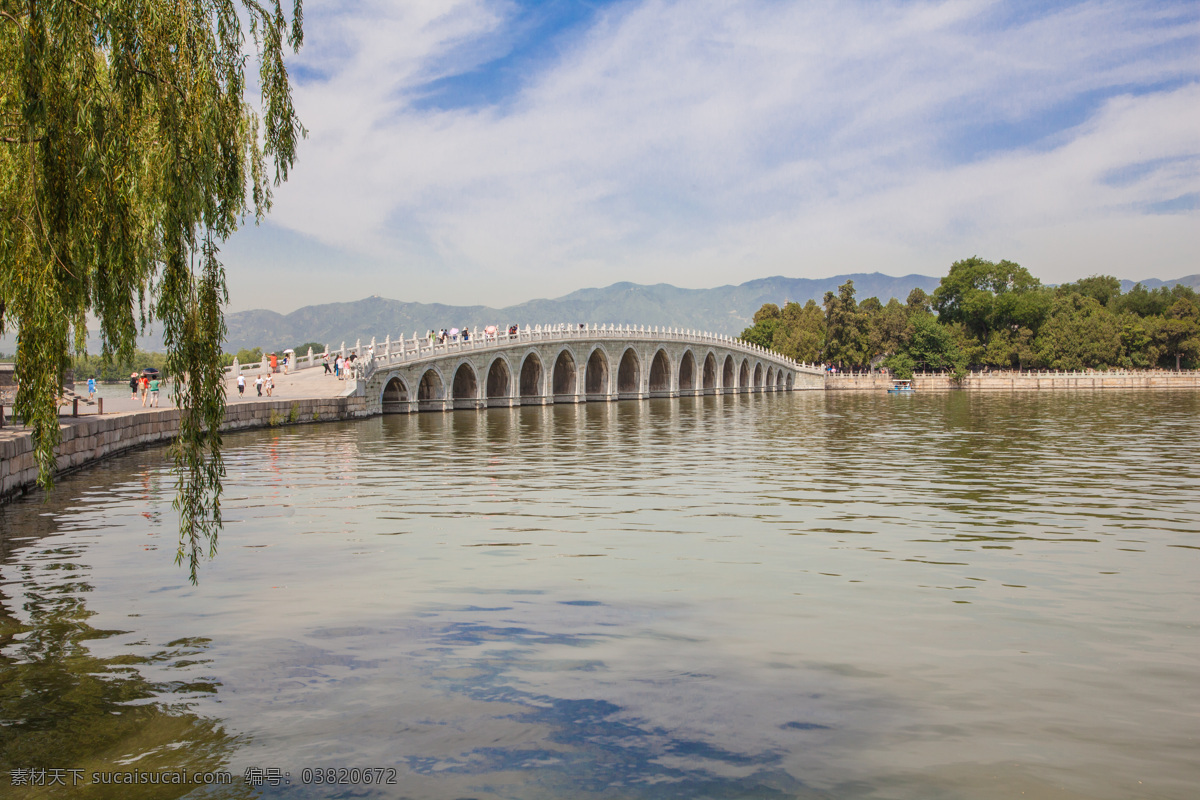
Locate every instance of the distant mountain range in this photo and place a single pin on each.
(725, 309)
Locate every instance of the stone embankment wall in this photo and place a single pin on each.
(91, 438)
(1009, 381)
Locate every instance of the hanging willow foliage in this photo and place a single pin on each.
(127, 150)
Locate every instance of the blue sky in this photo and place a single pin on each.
(493, 152)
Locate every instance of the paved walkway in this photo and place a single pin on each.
(308, 383)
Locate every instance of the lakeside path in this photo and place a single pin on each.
(307, 396)
(305, 384)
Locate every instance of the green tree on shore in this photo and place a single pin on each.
(992, 314)
(847, 337)
(129, 153)
(1181, 331)
(1080, 334)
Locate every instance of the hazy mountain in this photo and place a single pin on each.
(1192, 281)
(725, 309)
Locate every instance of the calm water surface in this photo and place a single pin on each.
(803, 596)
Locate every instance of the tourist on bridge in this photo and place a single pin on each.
(258, 384)
(241, 384)
(154, 392)
(133, 383)
(465, 336)
(325, 363)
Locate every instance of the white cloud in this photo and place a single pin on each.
(702, 142)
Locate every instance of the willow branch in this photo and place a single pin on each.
(95, 14)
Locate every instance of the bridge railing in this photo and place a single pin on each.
(403, 351)
(375, 355)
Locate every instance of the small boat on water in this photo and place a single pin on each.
(901, 387)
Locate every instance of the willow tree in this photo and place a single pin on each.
(128, 153)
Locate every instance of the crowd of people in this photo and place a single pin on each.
(340, 366)
(148, 383)
(464, 334)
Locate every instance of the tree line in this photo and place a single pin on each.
(986, 314)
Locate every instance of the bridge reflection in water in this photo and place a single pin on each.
(566, 364)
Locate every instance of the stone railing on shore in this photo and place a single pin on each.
(1000, 380)
(95, 437)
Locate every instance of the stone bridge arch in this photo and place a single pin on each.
(629, 375)
(596, 375)
(532, 376)
(464, 391)
(687, 373)
(395, 396)
(431, 392)
(660, 374)
(708, 378)
(729, 375)
(566, 377)
(499, 382)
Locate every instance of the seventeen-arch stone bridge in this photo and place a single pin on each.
(569, 364)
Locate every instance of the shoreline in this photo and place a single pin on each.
(1022, 381)
(90, 438)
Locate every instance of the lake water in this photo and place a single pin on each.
(788, 596)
